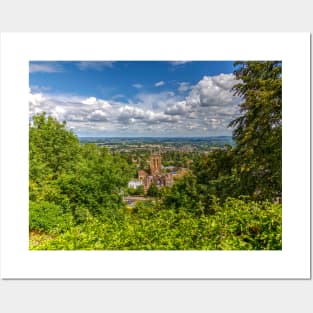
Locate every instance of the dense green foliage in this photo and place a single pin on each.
(153, 191)
(52, 149)
(224, 202)
(178, 158)
(258, 131)
(48, 217)
(236, 225)
(68, 178)
(139, 191)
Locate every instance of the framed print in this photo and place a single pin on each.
(155, 155)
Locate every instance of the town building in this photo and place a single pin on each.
(134, 183)
(155, 164)
(155, 175)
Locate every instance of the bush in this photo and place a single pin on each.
(48, 217)
(248, 225)
(235, 225)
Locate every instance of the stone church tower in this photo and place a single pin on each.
(155, 164)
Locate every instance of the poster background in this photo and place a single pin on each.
(18, 262)
(156, 296)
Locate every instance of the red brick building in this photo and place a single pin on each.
(155, 176)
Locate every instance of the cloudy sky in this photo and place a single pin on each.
(136, 98)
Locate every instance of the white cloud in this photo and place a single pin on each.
(206, 109)
(156, 101)
(213, 91)
(35, 103)
(129, 114)
(98, 116)
(100, 103)
(209, 106)
(178, 108)
(59, 109)
(90, 101)
(184, 86)
(35, 99)
(44, 67)
(94, 65)
(159, 84)
(71, 109)
(105, 105)
(138, 86)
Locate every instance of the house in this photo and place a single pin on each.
(134, 183)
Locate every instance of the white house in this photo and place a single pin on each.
(134, 184)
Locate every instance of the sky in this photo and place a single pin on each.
(136, 98)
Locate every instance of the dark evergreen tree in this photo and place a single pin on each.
(258, 131)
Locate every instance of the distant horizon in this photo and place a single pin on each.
(212, 136)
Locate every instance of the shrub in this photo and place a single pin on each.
(48, 217)
(235, 225)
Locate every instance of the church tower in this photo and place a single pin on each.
(155, 164)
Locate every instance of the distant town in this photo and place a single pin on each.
(157, 161)
(183, 144)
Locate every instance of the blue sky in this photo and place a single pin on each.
(136, 98)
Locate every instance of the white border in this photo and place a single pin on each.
(18, 262)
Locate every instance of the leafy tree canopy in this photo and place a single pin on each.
(258, 131)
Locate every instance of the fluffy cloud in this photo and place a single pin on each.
(35, 99)
(178, 108)
(70, 109)
(209, 106)
(213, 91)
(156, 101)
(159, 84)
(98, 116)
(90, 101)
(207, 109)
(105, 105)
(35, 103)
(129, 114)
